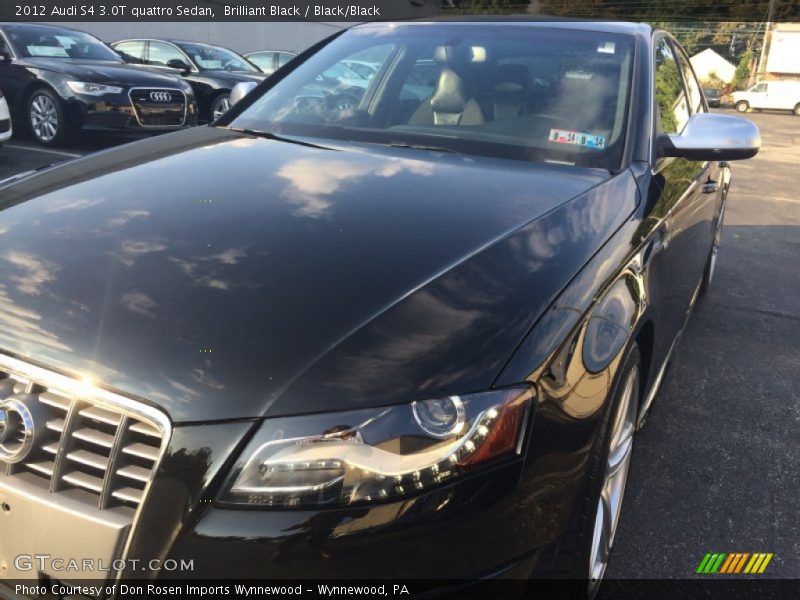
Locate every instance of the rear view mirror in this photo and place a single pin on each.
(709, 136)
(5, 56)
(240, 90)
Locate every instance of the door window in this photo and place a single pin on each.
(673, 107)
(160, 54)
(692, 87)
(760, 87)
(264, 61)
(284, 57)
(132, 52)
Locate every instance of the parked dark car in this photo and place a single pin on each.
(59, 81)
(712, 97)
(411, 338)
(212, 71)
(270, 61)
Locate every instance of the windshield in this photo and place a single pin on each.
(50, 42)
(514, 91)
(212, 58)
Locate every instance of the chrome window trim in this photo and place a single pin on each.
(136, 114)
(77, 388)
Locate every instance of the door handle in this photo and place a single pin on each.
(710, 187)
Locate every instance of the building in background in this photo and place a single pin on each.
(783, 52)
(243, 37)
(708, 64)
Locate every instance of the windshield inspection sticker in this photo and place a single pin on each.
(577, 138)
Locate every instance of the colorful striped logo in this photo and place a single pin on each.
(737, 562)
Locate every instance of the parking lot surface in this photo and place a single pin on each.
(715, 468)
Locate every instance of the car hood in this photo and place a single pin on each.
(221, 276)
(103, 71)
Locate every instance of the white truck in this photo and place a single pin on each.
(777, 95)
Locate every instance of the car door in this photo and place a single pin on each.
(682, 199)
(757, 97)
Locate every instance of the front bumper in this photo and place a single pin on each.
(132, 110)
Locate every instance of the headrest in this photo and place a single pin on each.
(450, 95)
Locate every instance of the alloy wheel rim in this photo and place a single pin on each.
(614, 480)
(44, 118)
(221, 106)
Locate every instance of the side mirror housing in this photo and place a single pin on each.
(177, 63)
(240, 90)
(5, 56)
(711, 136)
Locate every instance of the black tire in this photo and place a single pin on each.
(219, 104)
(47, 118)
(574, 558)
(742, 106)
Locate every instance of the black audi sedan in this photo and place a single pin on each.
(59, 81)
(212, 71)
(410, 338)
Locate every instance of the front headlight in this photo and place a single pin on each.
(92, 89)
(336, 459)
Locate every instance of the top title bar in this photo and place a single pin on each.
(376, 10)
(215, 10)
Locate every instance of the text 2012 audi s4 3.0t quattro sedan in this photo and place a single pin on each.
(410, 337)
(59, 81)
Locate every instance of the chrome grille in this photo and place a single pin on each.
(96, 451)
(168, 110)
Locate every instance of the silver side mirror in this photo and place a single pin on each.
(240, 90)
(710, 136)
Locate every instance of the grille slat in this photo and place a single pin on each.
(56, 425)
(97, 451)
(142, 451)
(100, 414)
(145, 429)
(94, 436)
(128, 495)
(42, 467)
(85, 481)
(134, 472)
(89, 459)
(55, 401)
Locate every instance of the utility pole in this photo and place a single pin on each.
(762, 61)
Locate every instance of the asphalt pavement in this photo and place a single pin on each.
(715, 469)
(717, 466)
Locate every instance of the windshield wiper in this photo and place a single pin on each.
(268, 135)
(424, 147)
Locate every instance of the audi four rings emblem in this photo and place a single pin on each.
(16, 430)
(160, 96)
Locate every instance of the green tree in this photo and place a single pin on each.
(742, 73)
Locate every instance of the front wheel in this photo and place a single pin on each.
(796, 109)
(220, 106)
(587, 548)
(742, 106)
(47, 118)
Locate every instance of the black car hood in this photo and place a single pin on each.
(102, 71)
(225, 276)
